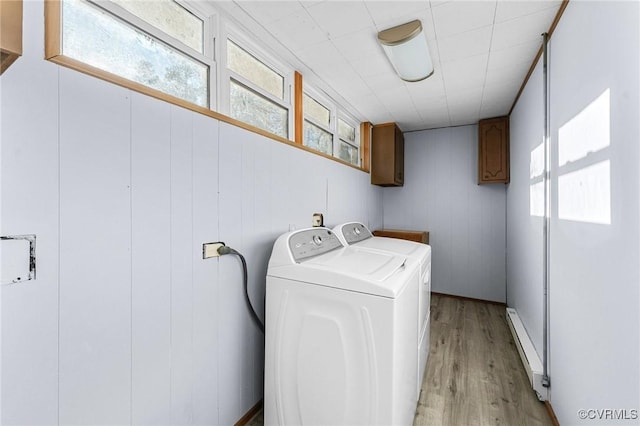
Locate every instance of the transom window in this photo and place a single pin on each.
(256, 92)
(169, 17)
(142, 53)
(167, 49)
(348, 148)
(323, 132)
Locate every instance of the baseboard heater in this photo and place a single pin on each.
(528, 355)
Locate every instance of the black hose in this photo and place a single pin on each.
(254, 314)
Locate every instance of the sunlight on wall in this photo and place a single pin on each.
(585, 195)
(584, 188)
(586, 132)
(536, 189)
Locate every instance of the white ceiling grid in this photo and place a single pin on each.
(481, 52)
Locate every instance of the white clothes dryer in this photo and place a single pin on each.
(340, 334)
(356, 234)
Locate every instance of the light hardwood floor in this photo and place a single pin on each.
(474, 375)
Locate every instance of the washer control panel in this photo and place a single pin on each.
(312, 242)
(355, 232)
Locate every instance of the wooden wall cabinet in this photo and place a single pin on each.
(387, 155)
(493, 150)
(10, 32)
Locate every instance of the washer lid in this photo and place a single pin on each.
(301, 256)
(374, 266)
(382, 273)
(403, 247)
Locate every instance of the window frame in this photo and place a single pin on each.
(122, 15)
(216, 27)
(357, 140)
(326, 102)
(236, 36)
(335, 113)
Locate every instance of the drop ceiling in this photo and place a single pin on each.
(481, 50)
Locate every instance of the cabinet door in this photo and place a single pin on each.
(399, 157)
(493, 150)
(387, 155)
(10, 32)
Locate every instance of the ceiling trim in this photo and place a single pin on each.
(553, 26)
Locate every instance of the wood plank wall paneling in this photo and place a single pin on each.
(95, 252)
(151, 258)
(30, 204)
(205, 272)
(466, 222)
(149, 331)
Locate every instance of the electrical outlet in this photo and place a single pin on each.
(318, 220)
(211, 250)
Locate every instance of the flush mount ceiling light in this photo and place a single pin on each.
(407, 50)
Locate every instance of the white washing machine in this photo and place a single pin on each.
(340, 334)
(355, 234)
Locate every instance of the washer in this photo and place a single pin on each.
(355, 234)
(340, 333)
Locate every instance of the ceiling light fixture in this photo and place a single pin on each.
(407, 50)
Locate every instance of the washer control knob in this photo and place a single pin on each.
(356, 230)
(317, 239)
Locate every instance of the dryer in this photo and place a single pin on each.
(355, 234)
(340, 333)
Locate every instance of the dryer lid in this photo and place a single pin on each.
(403, 247)
(377, 267)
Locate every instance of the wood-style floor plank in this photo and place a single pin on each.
(474, 375)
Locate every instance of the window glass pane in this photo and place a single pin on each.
(170, 17)
(97, 38)
(315, 110)
(345, 131)
(316, 138)
(241, 62)
(251, 108)
(348, 153)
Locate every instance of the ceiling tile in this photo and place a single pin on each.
(297, 31)
(321, 54)
(341, 18)
(481, 51)
(372, 65)
(460, 16)
(522, 30)
(465, 73)
(507, 10)
(502, 58)
(464, 99)
(465, 44)
(515, 71)
(359, 45)
(385, 82)
(270, 11)
(381, 11)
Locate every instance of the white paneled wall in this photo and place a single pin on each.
(29, 202)
(95, 251)
(594, 322)
(524, 229)
(151, 260)
(126, 323)
(466, 221)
